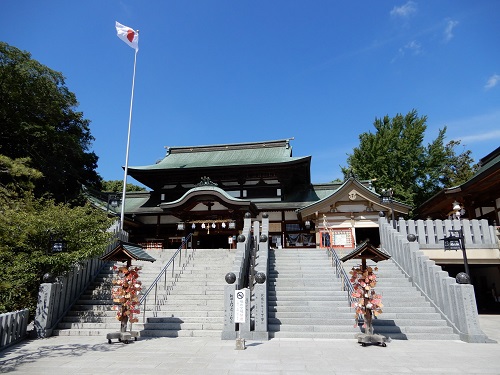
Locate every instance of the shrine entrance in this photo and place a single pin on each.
(368, 234)
(213, 241)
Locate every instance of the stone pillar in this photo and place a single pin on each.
(468, 322)
(45, 308)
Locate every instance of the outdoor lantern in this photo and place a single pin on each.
(113, 201)
(180, 226)
(232, 225)
(452, 243)
(193, 226)
(59, 245)
(203, 226)
(455, 241)
(308, 224)
(386, 198)
(213, 225)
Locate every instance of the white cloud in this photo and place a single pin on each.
(482, 128)
(448, 31)
(404, 10)
(492, 81)
(486, 136)
(412, 47)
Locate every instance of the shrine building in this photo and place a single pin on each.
(207, 190)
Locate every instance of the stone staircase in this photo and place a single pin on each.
(195, 307)
(407, 315)
(305, 298)
(306, 301)
(192, 307)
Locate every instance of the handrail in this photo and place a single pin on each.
(162, 273)
(341, 273)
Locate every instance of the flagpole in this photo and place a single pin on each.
(122, 215)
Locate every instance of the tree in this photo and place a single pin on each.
(27, 226)
(396, 157)
(116, 186)
(16, 178)
(39, 121)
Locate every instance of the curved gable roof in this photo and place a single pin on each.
(255, 153)
(365, 192)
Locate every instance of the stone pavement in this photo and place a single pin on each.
(93, 355)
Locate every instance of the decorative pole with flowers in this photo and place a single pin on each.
(364, 280)
(126, 287)
(369, 303)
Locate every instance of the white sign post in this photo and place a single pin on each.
(240, 309)
(240, 306)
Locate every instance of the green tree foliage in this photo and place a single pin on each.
(39, 121)
(116, 186)
(396, 157)
(16, 178)
(27, 226)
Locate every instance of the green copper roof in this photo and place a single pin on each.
(270, 152)
(125, 251)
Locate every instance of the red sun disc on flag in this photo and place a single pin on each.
(130, 35)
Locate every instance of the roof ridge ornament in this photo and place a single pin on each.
(206, 181)
(351, 174)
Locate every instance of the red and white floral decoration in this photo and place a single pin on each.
(364, 281)
(125, 292)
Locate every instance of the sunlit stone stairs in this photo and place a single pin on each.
(195, 306)
(92, 314)
(407, 315)
(305, 297)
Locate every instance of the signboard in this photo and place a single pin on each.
(337, 237)
(240, 306)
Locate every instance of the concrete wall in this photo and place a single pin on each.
(456, 302)
(13, 327)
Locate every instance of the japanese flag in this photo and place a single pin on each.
(128, 35)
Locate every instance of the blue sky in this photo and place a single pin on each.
(211, 72)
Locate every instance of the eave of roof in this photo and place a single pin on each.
(203, 190)
(401, 207)
(126, 251)
(365, 250)
(256, 153)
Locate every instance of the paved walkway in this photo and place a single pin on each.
(93, 355)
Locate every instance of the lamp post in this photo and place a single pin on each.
(386, 197)
(455, 241)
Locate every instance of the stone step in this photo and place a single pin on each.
(347, 335)
(182, 326)
(192, 303)
(309, 293)
(184, 314)
(146, 333)
(306, 303)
